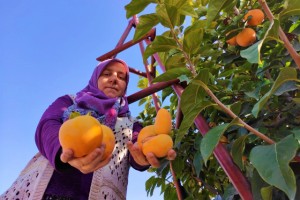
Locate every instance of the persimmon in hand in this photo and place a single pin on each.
(156, 138)
(85, 133)
(109, 141)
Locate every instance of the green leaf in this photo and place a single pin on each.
(172, 74)
(150, 185)
(229, 193)
(160, 44)
(266, 193)
(291, 7)
(146, 23)
(214, 9)
(230, 7)
(212, 137)
(193, 36)
(172, 13)
(272, 34)
(297, 100)
(296, 133)
(198, 162)
(143, 83)
(137, 6)
(166, 92)
(174, 61)
(187, 9)
(272, 164)
(286, 87)
(201, 80)
(237, 150)
(169, 15)
(257, 183)
(252, 53)
(142, 101)
(178, 164)
(286, 74)
(170, 192)
(192, 110)
(236, 107)
(193, 102)
(194, 93)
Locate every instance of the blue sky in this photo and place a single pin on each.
(48, 49)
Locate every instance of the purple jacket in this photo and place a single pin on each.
(66, 180)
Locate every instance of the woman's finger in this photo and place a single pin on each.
(171, 154)
(66, 155)
(154, 162)
(137, 154)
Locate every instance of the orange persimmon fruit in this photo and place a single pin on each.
(82, 134)
(109, 140)
(246, 37)
(156, 138)
(232, 41)
(231, 37)
(255, 17)
(163, 122)
(145, 134)
(158, 145)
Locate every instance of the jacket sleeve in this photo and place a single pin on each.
(46, 136)
(136, 129)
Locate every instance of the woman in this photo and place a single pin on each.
(56, 174)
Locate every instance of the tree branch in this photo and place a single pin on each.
(282, 35)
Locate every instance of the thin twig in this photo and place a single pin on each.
(234, 116)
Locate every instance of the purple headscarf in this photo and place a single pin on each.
(91, 98)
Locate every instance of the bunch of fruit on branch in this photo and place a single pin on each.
(247, 36)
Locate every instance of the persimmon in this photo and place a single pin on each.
(246, 37)
(232, 41)
(109, 140)
(231, 37)
(82, 134)
(255, 17)
(145, 134)
(158, 145)
(163, 122)
(156, 138)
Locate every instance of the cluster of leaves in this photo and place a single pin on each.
(259, 84)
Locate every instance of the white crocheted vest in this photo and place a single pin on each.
(110, 182)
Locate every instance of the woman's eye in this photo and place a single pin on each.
(122, 77)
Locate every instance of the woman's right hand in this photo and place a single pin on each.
(88, 163)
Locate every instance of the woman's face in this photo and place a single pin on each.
(112, 81)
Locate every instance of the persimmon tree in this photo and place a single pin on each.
(249, 96)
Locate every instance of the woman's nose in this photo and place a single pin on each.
(113, 77)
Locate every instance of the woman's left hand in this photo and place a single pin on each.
(150, 158)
